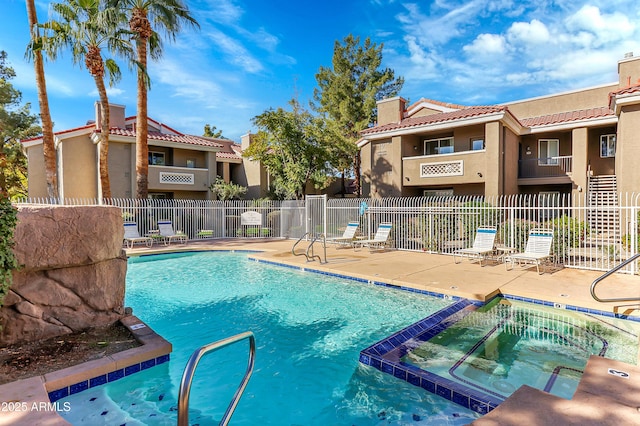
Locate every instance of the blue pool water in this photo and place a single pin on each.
(309, 330)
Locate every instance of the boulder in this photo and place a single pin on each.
(72, 272)
(49, 237)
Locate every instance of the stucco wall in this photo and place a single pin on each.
(72, 272)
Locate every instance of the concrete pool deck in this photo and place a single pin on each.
(439, 274)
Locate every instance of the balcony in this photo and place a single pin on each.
(448, 169)
(169, 178)
(545, 170)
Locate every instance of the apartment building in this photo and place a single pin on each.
(572, 142)
(181, 166)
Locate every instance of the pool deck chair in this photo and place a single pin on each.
(132, 236)
(347, 237)
(380, 241)
(537, 250)
(483, 245)
(168, 234)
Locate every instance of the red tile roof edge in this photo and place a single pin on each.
(467, 112)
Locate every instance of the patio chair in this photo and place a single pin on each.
(132, 236)
(347, 237)
(380, 241)
(483, 245)
(537, 250)
(165, 229)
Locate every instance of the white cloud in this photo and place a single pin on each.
(534, 32)
(487, 45)
(544, 45)
(433, 30)
(186, 84)
(222, 11)
(234, 51)
(605, 28)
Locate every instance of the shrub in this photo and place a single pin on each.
(227, 191)
(8, 221)
(568, 232)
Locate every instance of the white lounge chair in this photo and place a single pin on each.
(132, 236)
(379, 241)
(347, 237)
(483, 245)
(165, 229)
(537, 250)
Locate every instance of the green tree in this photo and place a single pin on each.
(34, 52)
(16, 122)
(86, 28)
(210, 132)
(347, 95)
(293, 146)
(148, 18)
(227, 191)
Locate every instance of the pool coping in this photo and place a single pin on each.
(36, 399)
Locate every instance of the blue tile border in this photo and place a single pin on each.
(105, 378)
(570, 307)
(386, 356)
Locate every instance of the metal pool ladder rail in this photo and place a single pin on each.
(309, 253)
(189, 371)
(608, 273)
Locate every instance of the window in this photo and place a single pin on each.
(438, 146)
(447, 192)
(477, 144)
(548, 152)
(607, 146)
(156, 158)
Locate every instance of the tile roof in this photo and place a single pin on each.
(432, 101)
(228, 148)
(465, 113)
(180, 138)
(626, 90)
(567, 117)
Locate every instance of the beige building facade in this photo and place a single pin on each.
(181, 166)
(561, 143)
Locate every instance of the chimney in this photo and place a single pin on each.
(116, 115)
(628, 70)
(245, 140)
(390, 110)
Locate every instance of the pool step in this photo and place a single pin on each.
(608, 394)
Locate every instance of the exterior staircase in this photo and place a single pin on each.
(602, 198)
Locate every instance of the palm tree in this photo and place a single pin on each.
(146, 19)
(34, 52)
(86, 27)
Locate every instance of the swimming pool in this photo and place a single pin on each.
(309, 330)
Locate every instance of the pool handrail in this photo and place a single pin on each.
(293, 249)
(310, 253)
(190, 368)
(607, 274)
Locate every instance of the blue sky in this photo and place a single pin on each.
(251, 55)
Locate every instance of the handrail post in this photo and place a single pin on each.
(189, 371)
